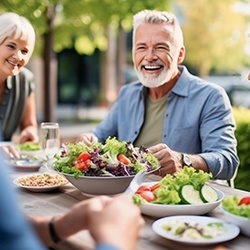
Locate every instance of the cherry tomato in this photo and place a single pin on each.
(81, 166)
(83, 161)
(245, 200)
(142, 189)
(122, 158)
(83, 156)
(148, 196)
(87, 162)
(155, 186)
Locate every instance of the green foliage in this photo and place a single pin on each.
(242, 117)
(215, 35)
(81, 25)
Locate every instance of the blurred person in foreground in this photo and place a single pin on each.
(180, 118)
(17, 98)
(114, 223)
(110, 230)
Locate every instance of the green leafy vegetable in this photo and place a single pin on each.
(105, 159)
(231, 204)
(112, 148)
(171, 185)
(29, 146)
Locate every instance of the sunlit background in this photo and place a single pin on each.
(83, 51)
(83, 57)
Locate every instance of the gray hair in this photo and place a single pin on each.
(158, 17)
(17, 26)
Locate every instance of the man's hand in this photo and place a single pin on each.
(170, 160)
(87, 138)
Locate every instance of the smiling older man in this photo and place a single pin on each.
(182, 119)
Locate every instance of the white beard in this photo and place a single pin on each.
(151, 81)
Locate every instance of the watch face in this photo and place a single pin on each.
(186, 160)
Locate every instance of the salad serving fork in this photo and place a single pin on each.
(135, 183)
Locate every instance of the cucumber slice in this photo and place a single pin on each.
(189, 195)
(208, 194)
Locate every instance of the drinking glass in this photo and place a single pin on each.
(50, 141)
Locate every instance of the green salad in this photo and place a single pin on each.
(113, 158)
(237, 206)
(187, 186)
(29, 146)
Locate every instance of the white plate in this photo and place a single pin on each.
(159, 210)
(33, 153)
(27, 165)
(231, 232)
(36, 188)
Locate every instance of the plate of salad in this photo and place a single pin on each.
(104, 168)
(195, 230)
(237, 211)
(186, 192)
(31, 150)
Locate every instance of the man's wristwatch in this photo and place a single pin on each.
(186, 161)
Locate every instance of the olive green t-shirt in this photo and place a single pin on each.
(152, 129)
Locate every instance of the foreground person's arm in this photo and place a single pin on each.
(107, 219)
(117, 224)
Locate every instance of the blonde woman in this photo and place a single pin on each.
(17, 101)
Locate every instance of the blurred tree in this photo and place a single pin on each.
(215, 35)
(85, 25)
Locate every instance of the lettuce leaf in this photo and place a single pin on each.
(231, 204)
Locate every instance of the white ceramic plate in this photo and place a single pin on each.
(33, 153)
(231, 231)
(27, 165)
(159, 210)
(44, 188)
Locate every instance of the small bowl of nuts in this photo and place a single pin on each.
(41, 182)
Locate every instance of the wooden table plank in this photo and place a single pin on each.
(62, 199)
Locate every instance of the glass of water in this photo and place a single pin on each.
(50, 141)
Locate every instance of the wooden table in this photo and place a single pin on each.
(60, 200)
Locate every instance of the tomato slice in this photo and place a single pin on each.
(155, 186)
(245, 200)
(83, 156)
(142, 189)
(148, 196)
(122, 158)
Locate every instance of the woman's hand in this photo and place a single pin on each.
(10, 152)
(29, 134)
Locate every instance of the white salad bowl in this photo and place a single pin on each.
(242, 222)
(161, 210)
(100, 185)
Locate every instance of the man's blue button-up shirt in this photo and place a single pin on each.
(198, 120)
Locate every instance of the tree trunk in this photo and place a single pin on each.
(50, 69)
(121, 56)
(109, 69)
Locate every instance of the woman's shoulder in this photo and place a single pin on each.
(26, 73)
